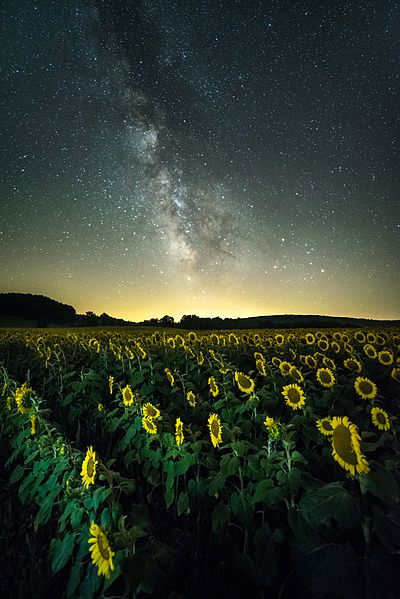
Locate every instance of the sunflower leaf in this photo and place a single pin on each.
(330, 501)
(62, 550)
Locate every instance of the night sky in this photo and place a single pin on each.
(228, 158)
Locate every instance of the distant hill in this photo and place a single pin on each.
(27, 310)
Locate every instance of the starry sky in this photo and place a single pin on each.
(202, 157)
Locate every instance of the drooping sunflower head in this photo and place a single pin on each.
(23, 396)
(324, 425)
(328, 362)
(353, 364)
(127, 396)
(325, 377)
(150, 411)
(296, 374)
(346, 448)
(365, 388)
(214, 390)
(380, 419)
(215, 426)
(170, 376)
(261, 367)
(179, 437)
(385, 357)
(149, 425)
(191, 398)
(101, 551)
(89, 465)
(244, 382)
(285, 367)
(294, 396)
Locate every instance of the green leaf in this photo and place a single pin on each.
(381, 483)
(99, 496)
(62, 551)
(301, 529)
(184, 464)
(330, 501)
(261, 490)
(44, 513)
(387, 527)
(273, 496)
(16, 474)
(219, 517)
(183, 503)
(216, 484)
(169, 497)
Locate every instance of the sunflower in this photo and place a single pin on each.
(258, 356)
(323, 344)
(171, 342)
(200, 358)
(149, 425)
(213, 386)
(365, 388)
(346, 448)
(179, 431)
(276, 361)
(328, 362)
(371, 337)
(395, 374)
(191, 398)
(101, 550)
(179, 340)
(192, 336)
(279, 339)
(352, 364)
(359, 336)
(273, 427)
(380, 419)
(296, 374)
(370, 351)
(214, 339)
(285, 367)
(325, 377)
(127, 396)
(170, 376)
(311, 361)
(310, 339)
(385, 357)
(294, 396)
(215, 426)
(100, 407)
(88, 471)
(150, 411)
(324, 425)
(335, 346)
(244, 382)
(233, 339)
(260, 365)
(110, 383)
(21, 398)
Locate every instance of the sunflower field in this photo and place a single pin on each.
(164, 463)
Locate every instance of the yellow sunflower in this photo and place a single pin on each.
(233, 339)
(179, 431)
(170, 376)
(244, 382)
(328, 362)
(385, 357)
(359, 336)
(365, 388)
(88, 471)
(279, 339)
(192, 336)
(127, 396)
(323, 344)
(311, 361)
(380, 419)
(261, 367)
(346, 448)
(276, 361)
(150, 411)
(214, 390)
(310, 339)
(215, 426)
(200, 358)
(171, 342)
(191, 398)
(100, 407)
(294, 396)
(324, 425)
(352, 364)
(149, 425)
(273, 427)
(335, 346)
(395, 374)
(371, 337)
(325, 377)
(370, 351)
(22, 395)
(101, 550)
(296, 374)
(285, 367)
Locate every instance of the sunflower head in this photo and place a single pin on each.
(260, 365)
(395, 374)
(385, 357)
(273, 427)
(215, 427)
(179, 437)
(127, 396)
(89, 465)
(214, 390)
(380, 419)
(294, 396)
(324, 425)
(296, 374)
(170, 376)
(149, 425)
(365, 388)
(370, 351)
(285, 367)
(23, 395)
(244, 382)
(311, 361)
(191, 399)
(325, 377)
(346, 446)
(353, 364)
(101, 550)
(150, 411)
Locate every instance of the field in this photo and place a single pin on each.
(179, 464)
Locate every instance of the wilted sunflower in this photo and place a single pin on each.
(294, 396)
(285, 367)
(244, 382)
(370, 351)
(324, 425)
(101, 551)
(296, 374)
(395, 374)
(346, 448)
(213, 386)
(385, 357)
(149, 425)
(365, 388)
(179, 431)
(215, 426)
(380, 419)
(88, 471)
(200, 358)
(170, 376)
(191, 398)
(150, 411)
(325, 377)
(127, 396)
(352, 364)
